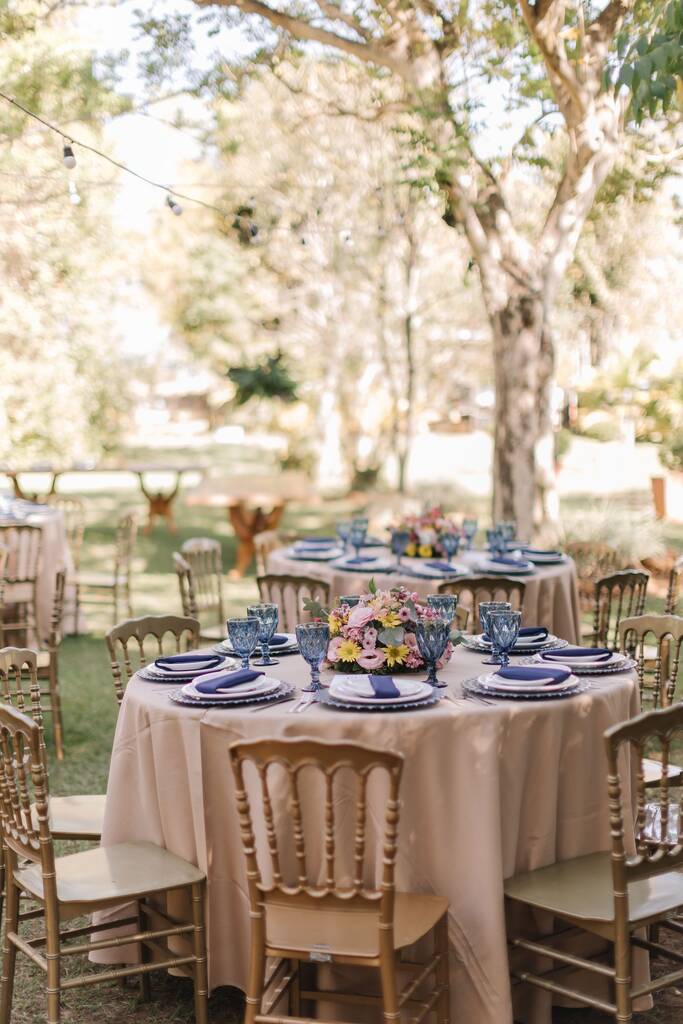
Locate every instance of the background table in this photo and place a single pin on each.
(551, 597)
(487, 791)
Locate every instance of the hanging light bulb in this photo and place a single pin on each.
(74, 195)
(174, 207)
(68, 155)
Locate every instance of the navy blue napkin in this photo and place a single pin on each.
(278, 638)
(360, 560)
(311, 541)
(594, 653)
(227, 679)
(534, 675)
(444, 566)
(519, 562)
(384, 686)
(208, 661)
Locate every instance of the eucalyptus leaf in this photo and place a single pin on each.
(393, 635)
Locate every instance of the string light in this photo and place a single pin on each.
(74, 195)
(174, 207)
(68, 156)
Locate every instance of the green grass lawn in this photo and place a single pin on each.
(90, 718)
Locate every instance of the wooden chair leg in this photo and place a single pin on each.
(443, 1006)
(145, 980)
(201, 994)
(387, 971)
(77, 609)
(622, 981)
(257, 969)
(56, 705)
(53, 970)
(9, 952)
(295, 989)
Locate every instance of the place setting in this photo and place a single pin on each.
(504, 555)
(424, 546)
(584, 661)
(528, 640)
(315, 549)
(356, 537)
(239, 635)
(521, 682)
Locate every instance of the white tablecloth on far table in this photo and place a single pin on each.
(551, 597)
(487, 791)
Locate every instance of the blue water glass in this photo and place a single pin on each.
(313, 639)
(267, 615)
(485, 608)
(244, 634)
(350, 599)
(496, 542)
(504, 628)
(359, 532)
(432, 637)
(399, 543)
(444, 605)
(508, 529)
(450, 542)
(469, 529)
(343, 532)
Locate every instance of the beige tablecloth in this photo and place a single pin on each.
(54, 555)
(551, 597)
(487, 791)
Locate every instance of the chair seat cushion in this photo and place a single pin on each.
(123, 871)
(75, 817)
(582, 888)
(349, 930)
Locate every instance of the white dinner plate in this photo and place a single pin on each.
(496, 684)
(256, 688)
(503, 570)
(315, 554)
(357, 689)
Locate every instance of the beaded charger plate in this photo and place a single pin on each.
(291, 647)
(325, 698)
(607, 670)
(284, 690)
(552, 643)
(151, 674)
(474, 688)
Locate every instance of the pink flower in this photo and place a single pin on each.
(372, 659)
(410, 640)
(370, 638)
(360, 616)
(333, 649)
(413, 661)
(404, 614)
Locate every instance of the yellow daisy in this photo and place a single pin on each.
(334, 626)
(424, 551)
(390, 619)
(411, 550)
(396, 654)
(349, 650)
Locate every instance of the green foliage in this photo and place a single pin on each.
(267, 379)
(652, 67)
(671, 451)
(315, 609)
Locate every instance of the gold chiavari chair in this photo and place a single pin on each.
(4, 556)
(73, 514)
(103, 588)
(24, 546)
(188, 602)
(316, 905)
(129, 643)
(655, 641)
(592, 560)
(615, 894)
(71, 817)
(617, 597)
(83, 884)
(264, 543)
(47, 660)
(673, 590)
(484, 588)
(204, 558)
(289, 594)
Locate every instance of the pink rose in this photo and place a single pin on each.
(360, 616)
(410, 640)
(333, 649)
(372, 659)
(413, 660)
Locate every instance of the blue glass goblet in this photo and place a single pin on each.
(485, 609)
(399, 543)
(357, 536)
(343, 532)
(469, 529)
(496, 541)
(244, 634)
(450, 542)
(432, 637)
(350, 599)
(508, 529)
(504, 628)
(444, 605)
(313, 639)
(267, 615)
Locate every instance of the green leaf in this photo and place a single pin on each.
(372, 586)
(393, 635)
(315, 609)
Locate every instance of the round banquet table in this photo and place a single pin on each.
(487, 791)
(551, 598)
(54, 556)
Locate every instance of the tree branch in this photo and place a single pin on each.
(334, 13)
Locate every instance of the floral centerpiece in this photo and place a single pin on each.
(425, 530)
(378, 634)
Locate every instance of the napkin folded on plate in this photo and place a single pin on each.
(534, 675)
(534, 633)
(594, 653)
(384, 686)
(520, 563)
(186, 663)
(443, 566)
(226, 680)
(360, 560)
(278, 638)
